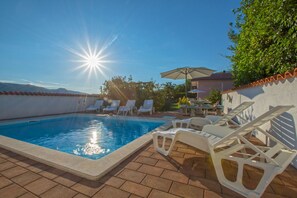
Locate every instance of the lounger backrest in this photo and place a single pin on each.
(98, 103)
(234, 112)
(148, 104)
(115, 103)
(259, 121)
(130, 103)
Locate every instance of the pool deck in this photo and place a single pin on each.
(188, 172)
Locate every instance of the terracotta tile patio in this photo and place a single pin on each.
(188, 172)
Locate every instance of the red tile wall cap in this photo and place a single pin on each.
(45, 94)
(271, 79)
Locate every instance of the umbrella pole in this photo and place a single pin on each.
(186, 73)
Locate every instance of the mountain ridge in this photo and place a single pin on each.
(32, 88)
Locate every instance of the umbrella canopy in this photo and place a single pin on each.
(187, 73)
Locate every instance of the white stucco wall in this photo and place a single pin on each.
(265, 97)
(20, 106)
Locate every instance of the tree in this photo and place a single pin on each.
(214, 96)
(123, 88)
(264, 39)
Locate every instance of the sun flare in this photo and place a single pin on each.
(92, 59)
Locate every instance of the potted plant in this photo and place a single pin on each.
(184, 102)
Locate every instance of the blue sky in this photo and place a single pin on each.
(140, 38)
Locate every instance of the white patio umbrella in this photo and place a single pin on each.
(187, 73)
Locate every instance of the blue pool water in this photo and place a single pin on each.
(86, 136)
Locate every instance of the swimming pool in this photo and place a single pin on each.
(87, 136)
(86, 145)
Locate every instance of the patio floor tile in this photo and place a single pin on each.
(28, 195)
(59, 191)
(146, 160)
(12, 191)
(177, 154)
(112, 181)
(186, 150)
(132, 175)
(287, 192)
(145, 153)
(134, 196)
(26, 178)
(40, 186)
(211, 194)
(175, 176)
(67, 179)
(6, 165)
(184, 190)
(38, 167)
(80, 196)
(7, 154)
(52, 173)
(135, 188)
(4, 182)
(87, 187)
(159, 194)
(157, 183)
(133, 165)
(111, 192)
(12, 172)
(26, 163)
(16, 158)
(271, 195)
(205, 184)
(227, 191)
(2, 160)
(151, 170)
(158, 156)
(166, 165)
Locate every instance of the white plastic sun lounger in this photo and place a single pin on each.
(130, 105)
(224, 143)
(198, 122)
(95, 107)
(146, 107)
(113, 107)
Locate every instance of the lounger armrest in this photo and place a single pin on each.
(181, 122)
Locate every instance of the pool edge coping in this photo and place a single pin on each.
(83, 167)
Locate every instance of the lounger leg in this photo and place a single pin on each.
(162, 149)
(269, 173)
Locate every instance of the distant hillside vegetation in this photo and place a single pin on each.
(32, 88)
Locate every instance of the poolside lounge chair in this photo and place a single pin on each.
(224, 143)
(113, 107)
(146, 107)
(130, 105)
(95, 107)
(198, 122)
